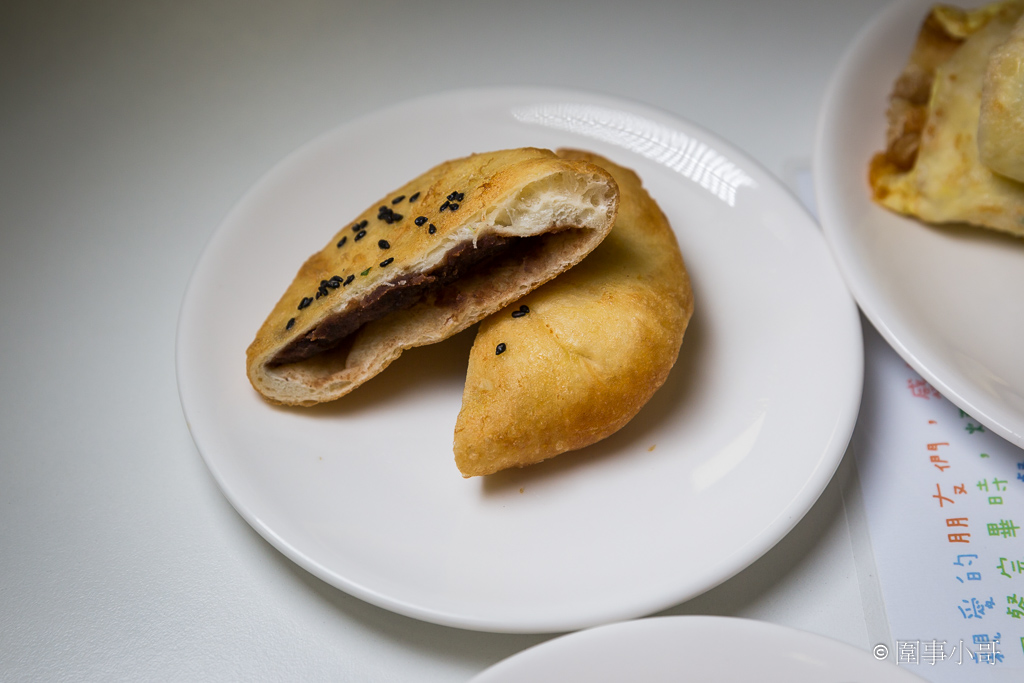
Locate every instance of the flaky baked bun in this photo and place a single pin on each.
(428, 260)
(573, 362)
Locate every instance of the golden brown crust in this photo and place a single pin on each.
(596, 344)
(510, 194)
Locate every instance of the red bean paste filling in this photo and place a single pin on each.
(405, 291)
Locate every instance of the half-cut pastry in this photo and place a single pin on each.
(574, 361)
(430, 259)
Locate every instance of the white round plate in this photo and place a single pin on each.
(948, 299)
(364, 493)
(711, 649)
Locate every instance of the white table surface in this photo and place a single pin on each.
(127, 132)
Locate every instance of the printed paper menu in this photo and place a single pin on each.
(944, 500)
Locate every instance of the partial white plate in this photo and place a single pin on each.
(364, 493)
(948, 299)
(711, 649)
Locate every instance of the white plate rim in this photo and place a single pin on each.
(778, 528)
(882, 313)
(642, 645)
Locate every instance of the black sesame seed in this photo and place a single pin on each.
(363, 223)
(453, 206)
(357, 227)
(343, 240)
(420, 220)
(386, 262)
(334, 284)
(500, 349)
(305, 302)
(291, 324)
(444, 206)
(320, 293)
(335, 278)
(523, 310)
(388, 216)
(361, 235)
(459, 196)
(414, 197)
(398, 199)
(384, 244)
(349, 280)
(452, 196)
(432, 229)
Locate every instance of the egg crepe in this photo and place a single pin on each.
(931, 167)
(1001, 122)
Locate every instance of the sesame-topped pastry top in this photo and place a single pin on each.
(429, 259)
